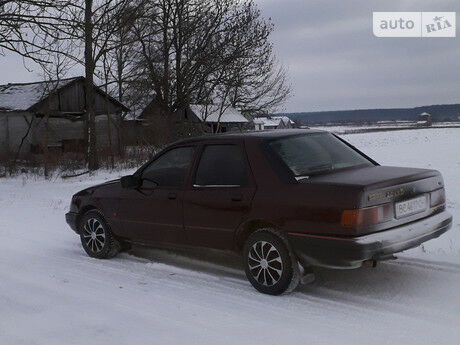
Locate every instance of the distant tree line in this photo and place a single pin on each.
(182, 51)
(439, 113)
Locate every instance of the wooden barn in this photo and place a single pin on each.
(273, 122)
(51, 114)
(215, 119)
(210, 117)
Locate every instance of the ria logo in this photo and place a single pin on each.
(440, 23)
(414, 24)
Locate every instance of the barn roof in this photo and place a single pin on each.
(210, 114)
(21, 97)
(286, 120)
(266, 121)
(143, 105)
(24, 96)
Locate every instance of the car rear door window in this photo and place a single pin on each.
(170, 169)
(221, 165)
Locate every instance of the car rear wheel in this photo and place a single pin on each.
(270, 265)
(96, 237)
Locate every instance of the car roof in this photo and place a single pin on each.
(265, 134)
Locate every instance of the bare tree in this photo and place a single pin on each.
(90, 25)
(102, 21)
(104, 75)
(208, 52)
(20, 19)
(54, 70)
(117, 70)
(212, 52)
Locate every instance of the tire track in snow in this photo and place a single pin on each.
(427, 264)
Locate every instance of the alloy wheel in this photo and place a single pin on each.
(94, 235)
(265, 263)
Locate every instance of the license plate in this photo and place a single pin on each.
(412, 206)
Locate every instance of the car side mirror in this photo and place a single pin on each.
(131, 181)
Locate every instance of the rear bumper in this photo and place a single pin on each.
(71, 219)
(336, 252)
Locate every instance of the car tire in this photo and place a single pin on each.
(270, 264)
(96, 237)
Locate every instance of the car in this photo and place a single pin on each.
(286, 200)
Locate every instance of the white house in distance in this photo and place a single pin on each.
(424, 120)
(272, 122)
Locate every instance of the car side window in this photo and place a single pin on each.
(168, 170)
(221, 165)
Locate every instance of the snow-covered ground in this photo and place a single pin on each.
(381, 126)
(52, 293)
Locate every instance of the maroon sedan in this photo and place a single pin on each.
(287, 200)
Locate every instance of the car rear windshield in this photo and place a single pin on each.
(316, 153)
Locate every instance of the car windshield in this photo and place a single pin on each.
(316, 153)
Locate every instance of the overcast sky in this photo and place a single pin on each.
(336, 63)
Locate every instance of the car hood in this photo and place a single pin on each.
(97, 186)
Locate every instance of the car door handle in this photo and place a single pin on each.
(237, 197)
(172, 196)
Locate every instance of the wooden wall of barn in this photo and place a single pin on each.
(13, 127)
(62, 129)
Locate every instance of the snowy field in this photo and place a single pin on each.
(52, 293)
(381, 126)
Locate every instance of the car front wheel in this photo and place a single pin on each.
(270, 265)
(96, 237)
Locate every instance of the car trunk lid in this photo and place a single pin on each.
(387, 185)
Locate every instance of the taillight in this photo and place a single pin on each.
(362, 217)
(437, 197)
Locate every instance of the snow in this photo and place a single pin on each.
(17, 97)
(286, 120)
(273, 121)
(52, 293)
(380, 126)
(267, 122)
(211, 114)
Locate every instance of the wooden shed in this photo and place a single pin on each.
(35, 115)
(216, 119)
(273, 122)
(211, 118)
